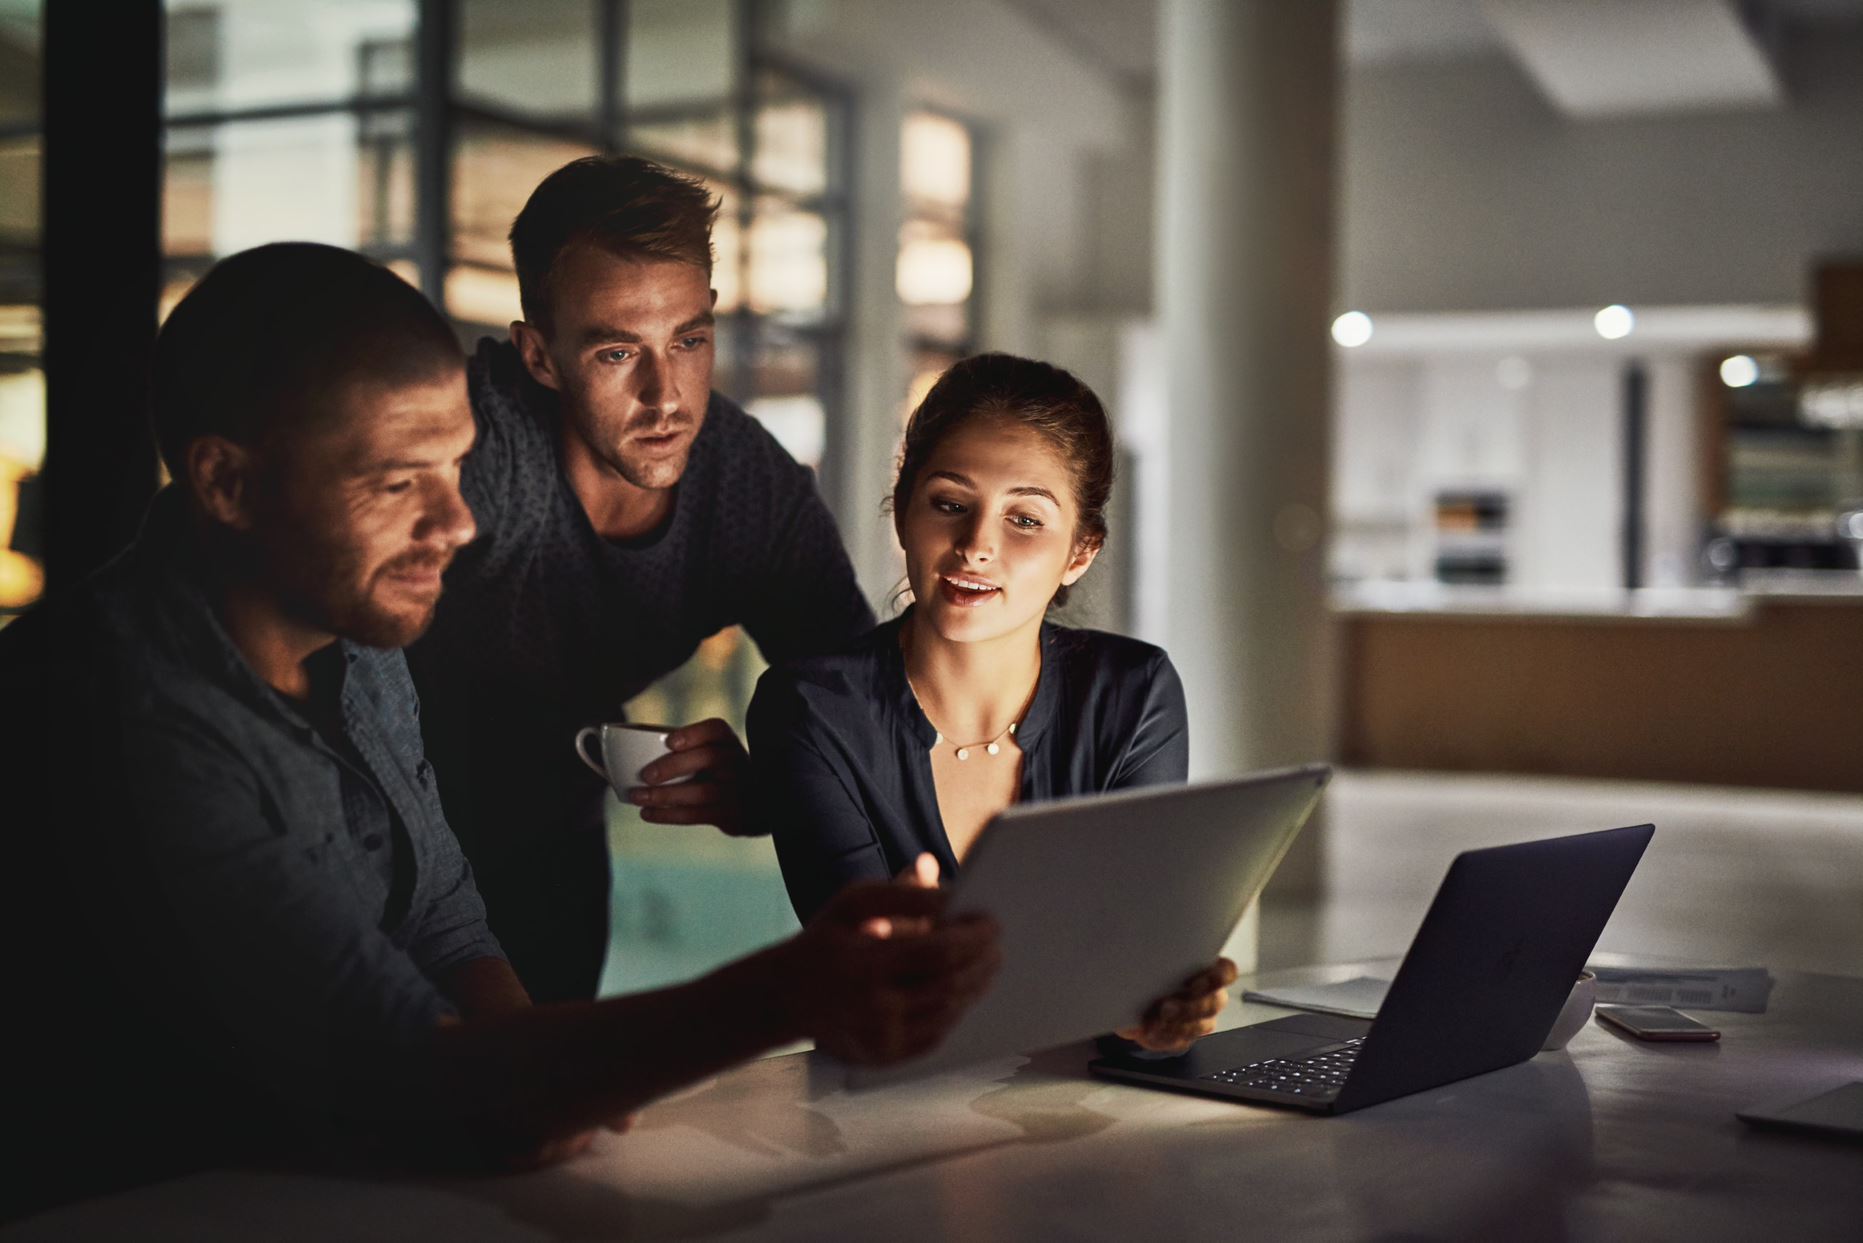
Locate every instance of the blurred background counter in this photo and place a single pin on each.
(1758, 686)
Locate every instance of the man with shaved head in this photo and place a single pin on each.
(245, 924)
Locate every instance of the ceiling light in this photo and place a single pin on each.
(1739, 371)
(1614, 322)
(1352, 329)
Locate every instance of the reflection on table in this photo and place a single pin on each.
(1608, 1139)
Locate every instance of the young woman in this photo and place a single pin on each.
(889, 756)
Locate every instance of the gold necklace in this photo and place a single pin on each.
(991, 746)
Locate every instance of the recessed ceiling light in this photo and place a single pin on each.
(1352, 329)
(1739, 371)
(1614, 322)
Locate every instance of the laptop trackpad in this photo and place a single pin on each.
(1327, 1027)
(1279, 1038)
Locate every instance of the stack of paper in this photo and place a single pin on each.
(1356, 998)
(1741, 989)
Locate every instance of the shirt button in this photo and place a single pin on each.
(372, 842)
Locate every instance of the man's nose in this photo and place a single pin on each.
(659, 385)
(448, 520)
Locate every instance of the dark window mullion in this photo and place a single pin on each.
(744, 102)
(437, 52)
(359, 106)
(611, 75)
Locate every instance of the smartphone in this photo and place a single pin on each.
(1655, 1023)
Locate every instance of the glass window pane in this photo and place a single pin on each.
(935, 162)
(385, 168)
(788, 364)
(495, 168)
(727, 251)
(934, 264)
(19, 63)
(927, 366)
(702, 140)
(786, 383)
(22, 454)
(681, 56)
(733, 342)
(792, 137)
(321, 179)
(485, 297)
(788, 261)
(22, 391)
(934, 280)
(539, 57)
(228, 54)
(798, 423)
(19, 210)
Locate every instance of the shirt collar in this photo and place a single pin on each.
(905, 704)
(172, 568)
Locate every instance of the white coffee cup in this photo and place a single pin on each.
(625, 750)
(1574, 1014)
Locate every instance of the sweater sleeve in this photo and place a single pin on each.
(809, 601)
(807, 798)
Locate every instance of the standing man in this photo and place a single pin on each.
(626, 512)
(238, 917)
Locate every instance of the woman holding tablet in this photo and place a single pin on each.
(890, 756)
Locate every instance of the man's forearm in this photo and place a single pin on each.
(483, 987)
(528, 1075)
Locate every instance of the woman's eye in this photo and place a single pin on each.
(1026, 522)
(947, 507)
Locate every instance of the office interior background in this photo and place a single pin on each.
(1489, 393)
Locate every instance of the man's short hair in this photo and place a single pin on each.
(261, 344)
(627, 206)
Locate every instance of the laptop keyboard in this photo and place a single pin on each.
(1319, 1074)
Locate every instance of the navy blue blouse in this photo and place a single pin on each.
(842, 752)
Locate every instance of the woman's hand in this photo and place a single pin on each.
(921, 873)
(1172, 1023)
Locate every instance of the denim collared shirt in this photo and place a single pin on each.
(265, 919)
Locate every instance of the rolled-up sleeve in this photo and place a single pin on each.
(452, 927)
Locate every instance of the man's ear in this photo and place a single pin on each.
(536, 354)
(220, 475)
(1083, 557)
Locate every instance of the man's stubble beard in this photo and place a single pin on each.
(652, 474)
(323, 592)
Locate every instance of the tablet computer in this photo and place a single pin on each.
(1109, 902)
(1836, 1114)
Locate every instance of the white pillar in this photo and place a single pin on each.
(1248, 97)
(877, 373)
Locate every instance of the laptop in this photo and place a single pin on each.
(1486, 975)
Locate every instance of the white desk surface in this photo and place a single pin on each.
(1610, 1139)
